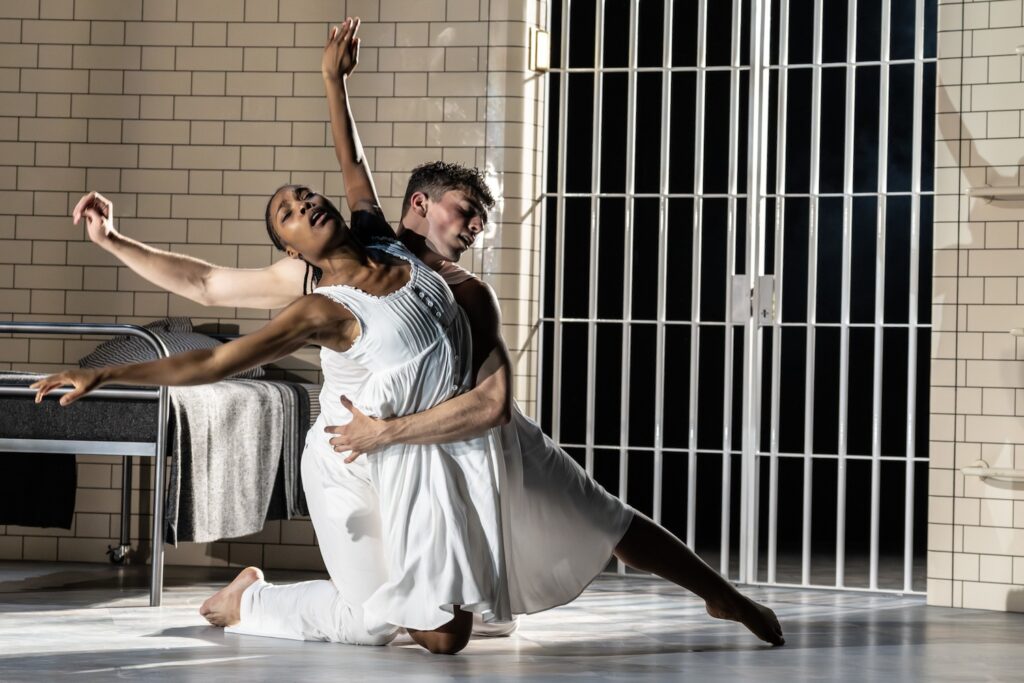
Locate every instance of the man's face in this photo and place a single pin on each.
(453, 223)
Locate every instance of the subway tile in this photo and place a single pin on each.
(107, 33)
(158, 58)
(411, 109)
(155, 156)
(292, 557)
(270, 34)
(58, 32)
(261, 10)
(157, 83)
(305, 159)
(104, 156)
(965, 566)
(456, 84)
(105, 106)
(204, 182)
(104, 131)
(57, 9)
(206, 157)
(173, 33)
(210, 34)
(208, 59)
(203, 10)
(42, 549)
(201, 206)
(996, 513)
(208, 82)
(143, 180)
(226, 108)
(106, 57)
(53, 130)
(70, 179)
(259, 59)
(167, 132)
(301, 58)
(257, 83)
(254, 182)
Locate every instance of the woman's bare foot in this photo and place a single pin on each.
(224, 608)
(760, 620)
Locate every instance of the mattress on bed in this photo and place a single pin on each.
(95, 418)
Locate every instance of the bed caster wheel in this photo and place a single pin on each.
(118, 555)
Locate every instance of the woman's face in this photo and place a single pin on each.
(306, 222)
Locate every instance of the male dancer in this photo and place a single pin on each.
(443, 211)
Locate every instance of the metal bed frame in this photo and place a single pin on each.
(156, 450)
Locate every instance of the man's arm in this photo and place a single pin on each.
(274, 286)
(488, 404)
(341, 55)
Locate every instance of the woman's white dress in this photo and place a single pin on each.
(501, 524)
(439, 504)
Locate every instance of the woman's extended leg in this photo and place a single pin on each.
(652, 548)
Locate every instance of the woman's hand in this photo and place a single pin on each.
(99, 216)
(83, 380)
(341, 53)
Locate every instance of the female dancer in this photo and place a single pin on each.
(380, 308)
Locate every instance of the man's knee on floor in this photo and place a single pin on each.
(448, 639)
(446, 643)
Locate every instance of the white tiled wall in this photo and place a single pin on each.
(188, 114)
(976, 527)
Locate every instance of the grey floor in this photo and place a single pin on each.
(90, 622)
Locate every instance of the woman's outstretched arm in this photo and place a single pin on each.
(288, 332)
(341, 55)
(273, 286)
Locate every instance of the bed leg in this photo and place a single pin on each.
(119, 555)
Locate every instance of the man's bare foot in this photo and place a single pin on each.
(760, 620)
(224, 608)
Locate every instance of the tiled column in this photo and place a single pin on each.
(975, 526)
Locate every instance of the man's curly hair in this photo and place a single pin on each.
(437, 177)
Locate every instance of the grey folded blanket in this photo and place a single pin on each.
(231, 442)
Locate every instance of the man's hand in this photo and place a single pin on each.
(362, 435)
(84, 380)
(341, 53)
(99, 217)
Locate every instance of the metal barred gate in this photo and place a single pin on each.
(737, 271)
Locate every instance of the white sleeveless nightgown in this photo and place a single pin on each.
(557, 530)
(439, 504)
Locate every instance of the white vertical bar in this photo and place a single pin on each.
(663, 203)
(698, 229)
(539, 388)
(844, 321)
(730, 270)
(780, 220)
(760, 21)
(812, 291)
(627, 263)
(595, 232)
(563, 109)
(876, 390)
(915, 256)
